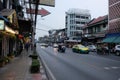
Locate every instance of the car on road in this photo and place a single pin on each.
(43, 45)
(92, 48)
(80, 49)
(117, 50)
(55, 45)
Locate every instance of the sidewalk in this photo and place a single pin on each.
(18, 69)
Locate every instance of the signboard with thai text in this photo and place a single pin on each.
(43, 12)
(43, 2)
(47, 2)
(2, 25)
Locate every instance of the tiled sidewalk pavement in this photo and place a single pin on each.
(18, 69)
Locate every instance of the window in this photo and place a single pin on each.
(78, 28)
(86, 17)
(71, 21)
(77, 22)
(82, 22)
(77, 16)
(83, 17)
(98, 29)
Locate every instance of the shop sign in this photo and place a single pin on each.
(47, 2)
(2, 25)
(50, 3)
(43, 12)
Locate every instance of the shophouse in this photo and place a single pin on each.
(9, 28)
(11, 36)
(57, 35)
(95, 30)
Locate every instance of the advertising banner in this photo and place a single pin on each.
(43, 12)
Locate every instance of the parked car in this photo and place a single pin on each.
(92, 48)
(80, 49)
(117, 50)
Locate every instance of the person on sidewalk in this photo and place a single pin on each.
(27, 46)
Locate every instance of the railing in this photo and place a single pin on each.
(116, 30)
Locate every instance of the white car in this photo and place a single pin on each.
(117, 50)
(92, 47)
(55, 45)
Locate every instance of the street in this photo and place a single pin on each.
(74, 66)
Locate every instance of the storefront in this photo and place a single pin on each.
(7, 37)
(1, 36)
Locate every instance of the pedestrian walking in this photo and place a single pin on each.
(27, 46)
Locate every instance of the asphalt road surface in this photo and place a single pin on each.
(74, 66)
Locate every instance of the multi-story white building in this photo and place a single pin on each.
(75, 19)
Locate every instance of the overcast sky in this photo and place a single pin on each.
(56, 20)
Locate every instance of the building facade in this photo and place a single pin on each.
(57, 35)
(114, 16)
(8, 20)
(113, 33)
(95, 30)
(75, 19)
(11, 28)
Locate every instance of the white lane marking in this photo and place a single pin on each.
(114, 67)
(44, 77)
(118, 78)
(49, 71)
(107, 68)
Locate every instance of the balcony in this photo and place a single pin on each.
(96, 34)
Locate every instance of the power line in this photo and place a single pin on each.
(42, 29)
(45, 25)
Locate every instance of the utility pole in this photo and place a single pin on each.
(34, 27)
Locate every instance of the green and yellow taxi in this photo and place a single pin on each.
(80, 49)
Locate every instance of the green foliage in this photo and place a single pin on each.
(6, 59)
(35, 66)
(35, 62)
(33, 56)
(10, 54)
(1, 60)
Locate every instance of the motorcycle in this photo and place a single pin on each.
(61, 48)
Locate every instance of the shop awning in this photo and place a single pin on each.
(112, 38)
(5, 19)
(109, 39)
(117, 40)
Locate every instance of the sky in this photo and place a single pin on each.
(56, 20)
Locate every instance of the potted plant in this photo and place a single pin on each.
(11, 55)
(35, 66)
(6, 59)
(2, 62)
(33, 56)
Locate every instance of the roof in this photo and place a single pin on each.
(101, 18)
(7, 12)
(78, 11)
(96, 20)
(86, 25)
